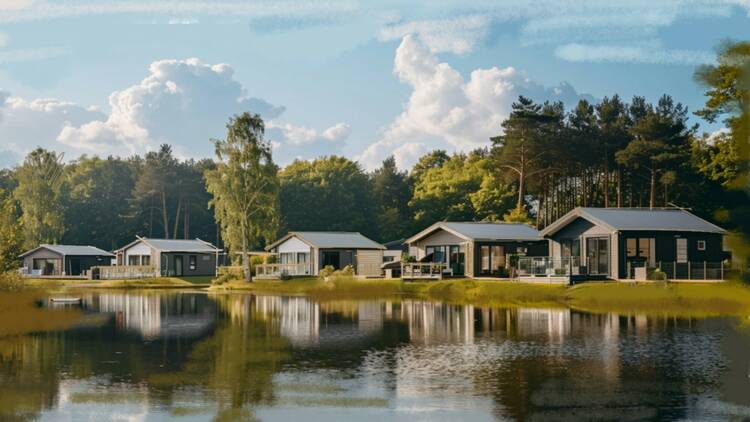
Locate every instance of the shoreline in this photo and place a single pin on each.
(653, 298)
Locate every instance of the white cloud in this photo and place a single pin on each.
(24, 125)
(455, 35)
(291, 141)
(408, 154)
(631, 54)
(183, 102)
(37, 10)
(443, 106)
(3, 40)
(559, 22)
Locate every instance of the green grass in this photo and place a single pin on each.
(731, 298)
(157, 282)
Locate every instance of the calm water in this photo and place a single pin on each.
(194, 356)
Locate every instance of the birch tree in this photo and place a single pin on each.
(244, 186)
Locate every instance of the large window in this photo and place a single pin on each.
(145, 259)
(286, 257)
(134, 260)
(492, 259)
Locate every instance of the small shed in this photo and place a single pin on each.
(171, 257)
(63, 260)
(306, 253)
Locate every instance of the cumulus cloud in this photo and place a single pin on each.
(184, 102)
(181, 102)
(291, 141)
(443, 105)
(24, 125)
(455, 35)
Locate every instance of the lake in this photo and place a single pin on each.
(196, 356)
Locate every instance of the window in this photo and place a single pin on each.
(303, 257)
(485, 258)
(644, 247)
(286, 257)
(145, 259)
(498, 258)
(631, 247)
(193, 259)
(682, 250)
(134, 260)
(701, 245)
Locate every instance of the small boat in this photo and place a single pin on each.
(65, 299)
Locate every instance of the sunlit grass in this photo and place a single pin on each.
(690, 299)
(156, 282)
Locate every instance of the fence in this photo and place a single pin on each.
(282, 270)
(122, 272)
(546, 266)
(702, 270)
(421, 270)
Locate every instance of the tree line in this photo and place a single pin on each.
(545, 161)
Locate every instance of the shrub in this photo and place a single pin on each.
(271, 259)
(657, 275)
(11, 282)
(405, 257)
(328, 272)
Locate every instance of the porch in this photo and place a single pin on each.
(279, 271)
(703, 271)
(424, 270)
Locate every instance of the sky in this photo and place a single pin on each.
(363, 79)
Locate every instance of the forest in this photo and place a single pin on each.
(544, 161)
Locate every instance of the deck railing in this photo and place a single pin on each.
(282, 270)
(422, 270)
(693, 270)
(122, 272)
(544, 266)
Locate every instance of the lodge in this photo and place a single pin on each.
(62, 260)
(475, 249)
(306, 253)
(613, 243)
(170, 257)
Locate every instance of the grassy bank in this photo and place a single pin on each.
(652, 298)
(152, 283)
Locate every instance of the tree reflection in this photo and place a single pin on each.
(235, 366)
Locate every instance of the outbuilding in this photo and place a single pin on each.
(171, 257)
(306, 253)
(475, 249)
(63, 260)
(613, 242)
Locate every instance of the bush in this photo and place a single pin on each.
(657, 275)
(405, 257)
(11, 282)
(328, 272)
(271, 259)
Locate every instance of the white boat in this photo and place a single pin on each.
(65, 299)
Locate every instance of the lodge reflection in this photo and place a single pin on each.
(529, 364)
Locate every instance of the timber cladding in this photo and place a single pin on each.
(368, 262)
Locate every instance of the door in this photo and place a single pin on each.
(178, 265)
(682, 250)
(332, 258)
(597, 255)
(75, 266)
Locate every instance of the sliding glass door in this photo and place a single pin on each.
(597, 255)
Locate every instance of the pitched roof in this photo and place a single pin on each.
(175, 245)
(79, 250)
(624, 219)
(330, 240)
(483, 231)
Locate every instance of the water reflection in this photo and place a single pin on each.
(278, 358)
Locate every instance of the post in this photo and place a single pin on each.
(705, 277)
(674, 269)
(721, 271)
(689, 265)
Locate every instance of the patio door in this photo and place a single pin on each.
(597, 255)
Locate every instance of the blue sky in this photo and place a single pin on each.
(362, 79)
